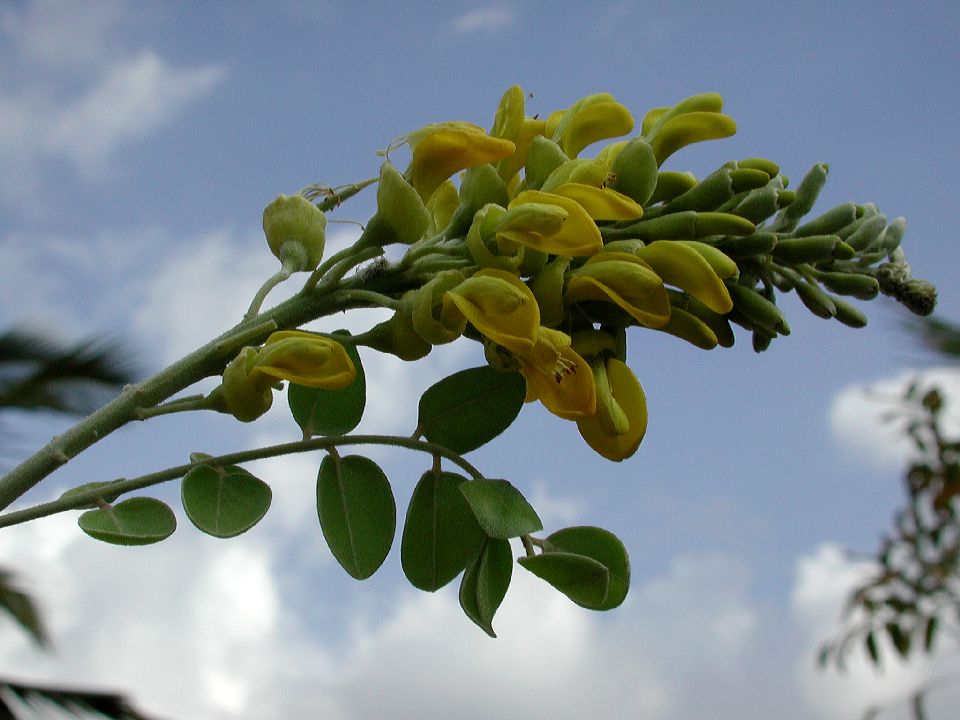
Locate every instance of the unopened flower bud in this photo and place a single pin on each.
(296, 231)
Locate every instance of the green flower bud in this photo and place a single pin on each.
(397, 336)
(635, 171)
(429, 318)
(296, 231)
(543, 158)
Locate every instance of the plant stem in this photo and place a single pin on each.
(206, 361)
(122, 486)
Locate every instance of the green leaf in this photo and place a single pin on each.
(440, 534)
(485, 583)
(87, 487)
(358, 514)
(137, 521)
(870, 642)
(899, 638)
(500, 508)
(604, 547)
(582, 579)
(224, 502)
(470, 408)
(330, 412)
(930, 632)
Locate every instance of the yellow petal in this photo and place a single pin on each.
(447, 149)
(579, 234)
(500, 306)
(628, 395)
(595, 122)
(601, 203)
(624, 280)
(306, 359)
(558, 377)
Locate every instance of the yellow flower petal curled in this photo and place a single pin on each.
(601, 203)
(617, 428)
(578, 236)
(442, 149)
(592, 118)
(500, 306)
(625, 281)
(557, 376)
(306, 359)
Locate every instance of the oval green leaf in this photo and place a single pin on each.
(582, 579)
(224, 502)
(485, 583)
(357, 512)
(604, 547)
(440, 534)
(106, 497)
(137, 521)
(470, 408)
(500, 508)
(330, 412)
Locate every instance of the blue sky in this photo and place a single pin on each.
(139, 143)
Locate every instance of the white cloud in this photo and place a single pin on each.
(58, 33)
(490, 19)
(132, 100)
(856, 416)
(79, 95)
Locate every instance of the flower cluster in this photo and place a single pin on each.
(547, 296)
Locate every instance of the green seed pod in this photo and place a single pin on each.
(757, 309)
(862, 287)
(867, 233)
(807, 192)
(786, 197)
(749, 178)
(848, 314)
(635, 171)
(544, 157)
(714, 223)
(709, 194)
(671, 184)
(758, 243)
(830, 222)
(760, 341)
(807, 249)
(296, 231)
(769, 167)
(759, 204)
(816, 300)
(892, 235)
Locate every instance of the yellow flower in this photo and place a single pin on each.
(624, 280)
(557, 376)
(500, 306)
(578, 234)
(617, 427)
(304, 358)
(601, 203)
(442, 149)
(595, 117)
